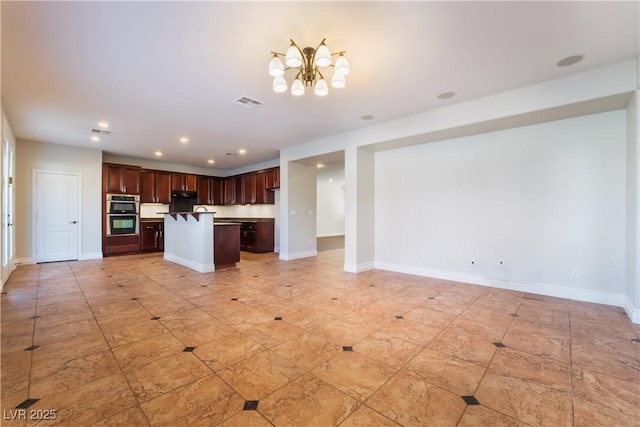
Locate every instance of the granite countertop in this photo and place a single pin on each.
(244, 219)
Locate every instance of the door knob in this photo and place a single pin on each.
(73, 222)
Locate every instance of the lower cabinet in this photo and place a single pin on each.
(226, 245)
(114, 245)
(257, 237)
(151, 236)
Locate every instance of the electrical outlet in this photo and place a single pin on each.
(575, 273)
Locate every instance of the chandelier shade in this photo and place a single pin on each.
(305, 65)
(276, 67)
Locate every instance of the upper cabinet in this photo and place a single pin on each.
(254, 189)
(184, 182)
(210, 190)
(120, 179)
(155, 186)
(273, 178)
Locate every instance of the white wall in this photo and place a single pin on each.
(547, 199)
(632, 300)
(32, 155)
(298, 184)
(5, 132)
(330, 204)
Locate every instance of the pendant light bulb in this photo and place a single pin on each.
(293, 57)
(279, 84)
(338, 81)
(342, 65)
(321, 88)
(297, 88)
(323, 56)
(276, 67)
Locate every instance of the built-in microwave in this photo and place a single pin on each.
(123, 204)
(118, 224)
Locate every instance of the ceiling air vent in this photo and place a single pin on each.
(247, 103)
(100, 132)
(231, 154)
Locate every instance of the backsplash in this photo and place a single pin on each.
(153, 210)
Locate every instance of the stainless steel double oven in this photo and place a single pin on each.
(123, 214)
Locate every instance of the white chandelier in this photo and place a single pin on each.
(307, 62)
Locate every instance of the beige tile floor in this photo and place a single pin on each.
(135, 340)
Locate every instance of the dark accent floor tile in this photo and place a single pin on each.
(33, 347)
(432, 297)
(347, 348)
(34, 317)
(155, 318)
(234, 299)
(334, 299)
(121, 286)
(27, 403)
(134, 299)
(399, 317)
(499, 344)
(278, 318)
(250, 405)
(636, 340)
(470, 400)
(287, 286)
(372, 286)
(204, 286)
(515, 315)
(188, 349)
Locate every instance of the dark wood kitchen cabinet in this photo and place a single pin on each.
(257, 236)
(184, 182)
(229, 191)
(210, 190)
(155, 186)
(120, 179)
(226, 245)
(273, 178)
(151, 236)
(255, 190)
(120, 245)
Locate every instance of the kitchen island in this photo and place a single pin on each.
(193, 240)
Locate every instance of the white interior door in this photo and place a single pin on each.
(57, 218)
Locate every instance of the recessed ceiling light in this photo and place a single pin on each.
(184, 139)
(319, 165)
(330, 179)
(210, 161)
(103, 125)
(570, 60)
(367, 117)
(158, 153)
(446, 95)
(95, 138)
(242, 151)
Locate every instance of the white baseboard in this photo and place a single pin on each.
(330, 234)
(297, 255)
(632, 311)
(25, 261)
(534, 288)
(200, 268)
(358, 268)
(90, 255)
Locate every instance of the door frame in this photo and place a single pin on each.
(34, 209)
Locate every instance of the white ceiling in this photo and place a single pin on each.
(156, 71)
